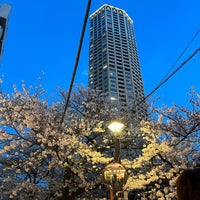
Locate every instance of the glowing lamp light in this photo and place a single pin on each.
(116, 126)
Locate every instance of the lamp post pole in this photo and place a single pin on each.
(117, 149)
(111, 193)
(116, 128)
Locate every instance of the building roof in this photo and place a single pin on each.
(112, 7)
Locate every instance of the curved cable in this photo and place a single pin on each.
(77, 60)
(167, 78)
(179, 57)
(176, 70)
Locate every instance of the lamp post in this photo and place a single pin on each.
(114, 174)
(116, 127)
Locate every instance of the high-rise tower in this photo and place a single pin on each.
(114, 66)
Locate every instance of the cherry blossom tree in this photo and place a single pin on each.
(42, 157)
(171, 145)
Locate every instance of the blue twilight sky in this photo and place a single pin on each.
(43, 36)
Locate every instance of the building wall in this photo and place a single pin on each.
(113, 63)
(5, 10)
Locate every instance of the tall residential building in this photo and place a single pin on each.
(5, 10)
(114, 65)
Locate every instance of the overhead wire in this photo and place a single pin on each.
(166, 79)
(77, 60)
(179, 57)
(175, 71)
(168, 75)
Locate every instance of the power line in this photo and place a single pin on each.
(179, 57)
(168, 77)
(175, 71)
(77, 60)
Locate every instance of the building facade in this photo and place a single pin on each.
(114, 65)
(5, 10)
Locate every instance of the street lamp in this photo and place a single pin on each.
(114, 174)
(116, 127)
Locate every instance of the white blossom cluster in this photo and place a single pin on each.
(42, 158)
(171, 144)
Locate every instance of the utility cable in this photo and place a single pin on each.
(77, 60)
(175, 71)
(167, 78)
(179, 57)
